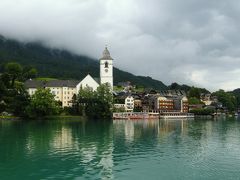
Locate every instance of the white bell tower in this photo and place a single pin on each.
(106, 68)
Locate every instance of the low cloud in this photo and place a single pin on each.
(192, 42)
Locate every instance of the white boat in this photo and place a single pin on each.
(176, 115)
(135, 115)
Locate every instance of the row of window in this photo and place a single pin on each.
(128, 100)
(57, 92)
(64, 88)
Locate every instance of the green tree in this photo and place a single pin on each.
(42, 103)
(96, 104)
(86, 98)
(14, 70)
(29, 72)
(105, 101)
(202, 111)
(196, 92)
(194, 100)
(17, 101)
(227, 99)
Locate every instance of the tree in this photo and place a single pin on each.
(105, 100)
(14, 70)
(227, 99)
(202, 111)
(96, 104)
(194, 100)
(29, 72)
(17, 102)
(196, 92)
(42, 104)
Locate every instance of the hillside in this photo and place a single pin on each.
(62, 64)
(236, 93)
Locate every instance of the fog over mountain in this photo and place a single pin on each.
(193, 42)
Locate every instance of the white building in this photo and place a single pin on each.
(129, 103)
(106, 68)
(64, 90)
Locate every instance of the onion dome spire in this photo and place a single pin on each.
(106, 55)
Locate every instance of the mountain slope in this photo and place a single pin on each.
(62, 64)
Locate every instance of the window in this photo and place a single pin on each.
(106, 64)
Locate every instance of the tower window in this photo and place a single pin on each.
(106, 64)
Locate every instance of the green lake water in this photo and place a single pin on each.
(164, 149)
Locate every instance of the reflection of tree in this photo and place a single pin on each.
(195, 130)
(61, 145)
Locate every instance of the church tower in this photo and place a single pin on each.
(106, 68)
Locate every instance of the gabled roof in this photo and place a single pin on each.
(97, 80)
(53, 83)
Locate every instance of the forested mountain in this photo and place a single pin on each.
(62, 64)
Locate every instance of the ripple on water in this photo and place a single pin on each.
(122, 150)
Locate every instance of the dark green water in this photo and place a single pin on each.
(73, 149)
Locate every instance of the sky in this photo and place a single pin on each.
(194, 42)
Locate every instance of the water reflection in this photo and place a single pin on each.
(136, 129)
(79, 149)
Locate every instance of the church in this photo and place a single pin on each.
(65, 89)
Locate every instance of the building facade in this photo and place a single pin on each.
(129, 103)
(106, 68)
(63, 90)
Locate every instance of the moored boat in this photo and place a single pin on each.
(135, 115)
(176, 115)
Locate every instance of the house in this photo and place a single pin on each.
(164, 104)
(129, 103)
(167, 101)
(125, 102)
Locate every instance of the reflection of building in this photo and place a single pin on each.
(166, 127)
(129, 130)
(63, 139)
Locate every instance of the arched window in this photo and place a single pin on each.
(106, 64)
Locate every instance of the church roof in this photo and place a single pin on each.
(53, 83)
(106, 55)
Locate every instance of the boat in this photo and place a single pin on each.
(176, 115)
(135, 115)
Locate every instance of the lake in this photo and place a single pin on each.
(154, 149)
